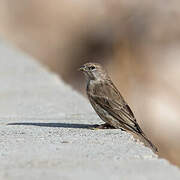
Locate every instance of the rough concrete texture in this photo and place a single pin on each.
(44, 131)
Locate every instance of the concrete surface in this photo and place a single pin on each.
(44, 131)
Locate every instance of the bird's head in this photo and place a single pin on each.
(94, 71)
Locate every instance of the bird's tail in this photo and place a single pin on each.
(142, 134)
(153, 147)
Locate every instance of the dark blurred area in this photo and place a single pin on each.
(137, 41)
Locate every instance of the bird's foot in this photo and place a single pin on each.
(102, 126)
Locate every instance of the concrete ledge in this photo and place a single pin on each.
(44, 131)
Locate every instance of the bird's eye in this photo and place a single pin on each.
(91, 67)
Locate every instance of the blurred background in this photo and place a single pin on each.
(137, 41)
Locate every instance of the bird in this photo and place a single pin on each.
(108, 102)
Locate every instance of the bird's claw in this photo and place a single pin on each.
(101, 126)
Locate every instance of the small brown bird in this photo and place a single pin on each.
(109, 103)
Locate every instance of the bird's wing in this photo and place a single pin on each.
(110, 99)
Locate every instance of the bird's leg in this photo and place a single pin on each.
(102, 126)
(105, 126)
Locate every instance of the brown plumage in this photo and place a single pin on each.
(109, 103)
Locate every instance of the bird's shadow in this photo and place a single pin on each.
(61, 125)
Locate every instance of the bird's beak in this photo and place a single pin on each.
(81, 68)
